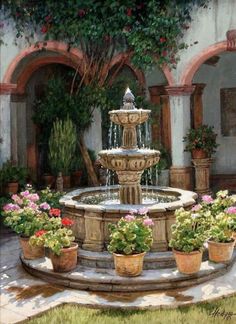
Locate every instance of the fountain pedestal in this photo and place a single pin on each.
(130, 188)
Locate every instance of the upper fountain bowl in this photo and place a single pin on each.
(129, 117)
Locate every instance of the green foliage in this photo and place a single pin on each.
(11, 173)
(62, 145)
(190, 230)
(151, 30)
(130, 236)
(25, 221)
(50, 197)
(221, 230)
(202, 137)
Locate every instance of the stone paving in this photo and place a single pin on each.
(24, 296)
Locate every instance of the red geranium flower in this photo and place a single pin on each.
(55, 212)
(67, 222)
(40, 233)
(44, 29)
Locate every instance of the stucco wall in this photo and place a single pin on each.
(208, 26)
(221, 76)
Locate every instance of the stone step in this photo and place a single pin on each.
(98, 279)
(152, 260)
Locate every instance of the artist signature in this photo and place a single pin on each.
(217, 312)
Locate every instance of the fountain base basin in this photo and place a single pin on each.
(91, 220)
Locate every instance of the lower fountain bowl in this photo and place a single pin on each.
(92, 216)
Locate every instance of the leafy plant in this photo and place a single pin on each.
(221, 228)
(12, 173)
(190, 230)
(50, 197)
(61, 236)
(231, 211)
(202, 137)
(132, 234)
(62, 144)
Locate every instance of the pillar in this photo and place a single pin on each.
(5, 121)
(202, 175)
(161, 129)
(181, 170)
(197, 105)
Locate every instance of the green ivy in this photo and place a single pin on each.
(150, 30)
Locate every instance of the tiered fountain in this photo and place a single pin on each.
(92, 210)
(129, 162)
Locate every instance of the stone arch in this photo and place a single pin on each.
(196, 62)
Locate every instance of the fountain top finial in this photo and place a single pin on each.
(128, 100)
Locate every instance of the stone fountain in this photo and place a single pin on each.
(92, 212)
(129, 162)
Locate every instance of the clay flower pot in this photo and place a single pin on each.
(199, 154)
(48, 180)
(67, 260)
(76, 178)
(31, 252)
(66, 181)
(234, 237)
(129, 265)
(12, 187)
(188, 263)
(220, 252)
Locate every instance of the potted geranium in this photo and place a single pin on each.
(25, 218)
(221, 242)
(11, 176)
(201, 142)
(232, 212)
(188, 236)
(130, 239)
(58, 237)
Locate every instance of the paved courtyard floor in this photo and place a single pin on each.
(24, 296)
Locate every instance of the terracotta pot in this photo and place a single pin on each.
(66, 181)
(67, 260)
(199, 154)
(188, 263)
(48, 180)
(31, 252)
(220, 252)
(234, 237)
(12, 187)
(76, 178)
(129, 265)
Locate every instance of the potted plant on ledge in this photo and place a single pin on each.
(201, 142)
(188, 236)
(130, 239)
(60, 241)
(221, 242)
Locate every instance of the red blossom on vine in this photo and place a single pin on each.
(129, 12)
(81, 13)
(162, 39)
(44, 29)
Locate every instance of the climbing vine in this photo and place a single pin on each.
(150, 31)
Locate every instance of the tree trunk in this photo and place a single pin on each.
(88, 162)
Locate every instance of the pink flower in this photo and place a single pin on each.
(231, 210)
(25, 193)
(15, 198)
(11, 207)
(207, 199)
(44, 29)
(32, 205)
(133, 211)
(33, 197)
(143, 211)
(129, 218)
(44, 206)
(148, 222)
(196, 207)
(162, 39)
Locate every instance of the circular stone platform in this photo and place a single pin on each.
(100, 279)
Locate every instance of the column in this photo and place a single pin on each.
(181, 170)
(202, 175)
(196, 105)
(5, 121)
(161, 129)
